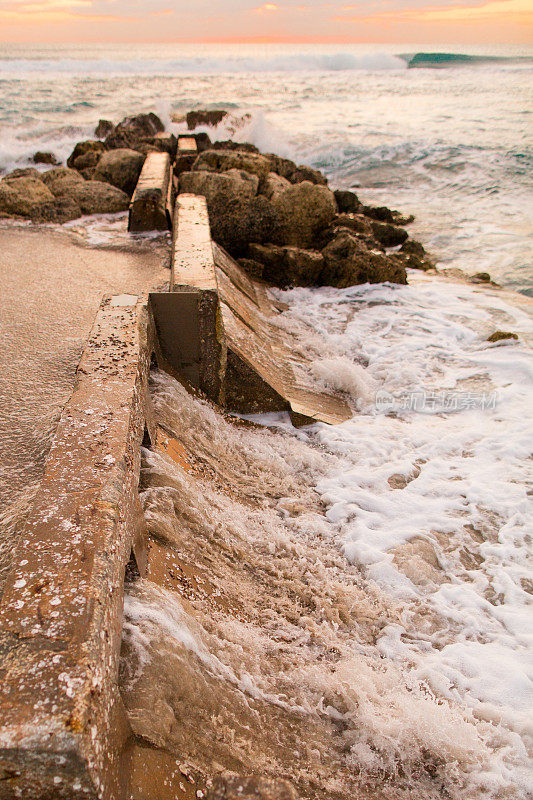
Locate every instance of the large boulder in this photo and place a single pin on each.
(238, 222)
(95, 197)
(348, 262)
(287, 266)
(303, 210)
(236, 215)
(84, 147)
(92, 197)
(26, 197)
(205, 117)
(224, 160)
(232, 184)
(120, 168)
(133, 130)
(61, 180)
(273, 184)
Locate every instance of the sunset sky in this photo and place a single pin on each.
(445, 21)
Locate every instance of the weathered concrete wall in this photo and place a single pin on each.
(215, 329)
(63, 730)
(150, 207)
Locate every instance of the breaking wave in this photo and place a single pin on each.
(439, 60)
(302, 62)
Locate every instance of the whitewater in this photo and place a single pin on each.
(358, 611)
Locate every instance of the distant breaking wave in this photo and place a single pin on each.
(436, 60)
(209, 65)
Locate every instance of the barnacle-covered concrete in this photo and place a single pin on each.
(63, 731)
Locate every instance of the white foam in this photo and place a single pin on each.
(453, 545)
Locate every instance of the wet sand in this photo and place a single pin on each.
(51, 287)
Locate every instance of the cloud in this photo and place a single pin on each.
(471, 12)
(266, 8)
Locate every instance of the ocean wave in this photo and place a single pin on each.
(305, 62)
(440, 60)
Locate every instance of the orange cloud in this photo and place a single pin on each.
(510, 10)
(267, 8)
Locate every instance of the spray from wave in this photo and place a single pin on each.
(202, 65)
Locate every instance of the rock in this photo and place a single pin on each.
(384, 214)
(84, 147)
(412, 255)
(88, 160)
(203, 142)
(388, 235)
(287, 266)
(347, 202)
(238, 222)
(410, 261)
(120, 168)
(305, 173)
(482, 277)
(348, 262)
(498, 336)
(355, 222)
(44, 158)
(103, 128)
(25, 172)
(145, 147)
(236, 215)
(293, 173)
(61, 180)
(91, 197)
(282, 166)
(224, 160)
(232, 184)
(96, 197)
(133, 130)
(412, 247)
(229, 144)
(234, 787)
(273, 184)
(205, 117)
(26, 197)
(66, 209)
(165, 142)
(303, 210)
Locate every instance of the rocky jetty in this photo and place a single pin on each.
(279, 219)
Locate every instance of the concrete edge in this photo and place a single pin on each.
(63, 731)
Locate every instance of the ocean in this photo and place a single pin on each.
(374, 633)
(446, 138)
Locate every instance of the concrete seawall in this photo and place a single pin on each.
(63, 729)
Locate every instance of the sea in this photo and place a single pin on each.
(382, 567)
(442, 133)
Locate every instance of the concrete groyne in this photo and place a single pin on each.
(63, 729)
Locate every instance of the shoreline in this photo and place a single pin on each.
(242, 627)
